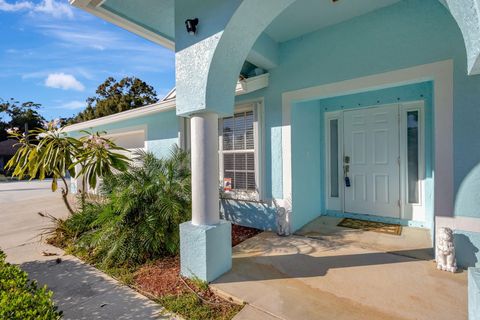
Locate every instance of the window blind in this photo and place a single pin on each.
(239, 150)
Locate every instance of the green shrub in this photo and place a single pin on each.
(67, 231)
(139, 216)
(21, 298)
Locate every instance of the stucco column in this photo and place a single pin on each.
(205, 242)
(204, 149)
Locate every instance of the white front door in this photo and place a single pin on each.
(371, 161)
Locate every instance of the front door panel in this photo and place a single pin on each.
(371, 161)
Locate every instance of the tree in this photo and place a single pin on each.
(113, 97)
(50, 152)
(18, 115)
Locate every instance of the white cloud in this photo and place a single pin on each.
(54, 8)
(16, 6)
(73, 105)
(63, 81)
(87, 38)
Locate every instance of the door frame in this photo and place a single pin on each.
(440, 73)
(415, 212)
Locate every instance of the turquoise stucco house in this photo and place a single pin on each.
(368, 109)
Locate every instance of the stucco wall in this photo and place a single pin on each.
(307, 169)
(248, 213)
(410, 33)
(467, 248)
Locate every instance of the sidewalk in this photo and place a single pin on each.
(80, 291)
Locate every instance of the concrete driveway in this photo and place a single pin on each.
(80, 291)
(336, 278)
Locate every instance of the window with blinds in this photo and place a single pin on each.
(238, 151)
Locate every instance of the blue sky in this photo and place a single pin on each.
(54, 54)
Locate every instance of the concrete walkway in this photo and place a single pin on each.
(303, 278)
(80, 291)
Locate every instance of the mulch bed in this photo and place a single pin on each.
(162, 281)
(162, 277)
(240, 234)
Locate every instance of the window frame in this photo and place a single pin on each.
(334, 203)
(258, 138)
(412, 211)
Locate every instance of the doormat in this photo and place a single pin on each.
(388, 228)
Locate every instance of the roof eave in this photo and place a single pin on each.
(94, 7)
(243, 87)
(122, 116)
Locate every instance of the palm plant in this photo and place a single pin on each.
(144, 207)
(44, 152)
(50, 152)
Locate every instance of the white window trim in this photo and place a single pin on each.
(258, 133)
(409, 211)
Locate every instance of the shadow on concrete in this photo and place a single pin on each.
(82, 292)
(419, 254)
(300, 265)
(332, 240)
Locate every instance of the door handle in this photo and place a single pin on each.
(346, 169)
(347, 182)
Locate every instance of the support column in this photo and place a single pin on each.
(204, 149)
(205, 242)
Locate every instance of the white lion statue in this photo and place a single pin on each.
(282, 216)
(446, 250)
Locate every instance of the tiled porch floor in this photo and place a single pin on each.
(338, 278)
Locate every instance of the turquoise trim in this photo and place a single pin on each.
(367, 217)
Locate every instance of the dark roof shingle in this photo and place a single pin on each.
(8, 148)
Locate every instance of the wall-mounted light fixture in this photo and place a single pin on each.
(191, 25)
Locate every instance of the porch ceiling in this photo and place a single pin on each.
(309, 15)
(155, 20)
(157, 16)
